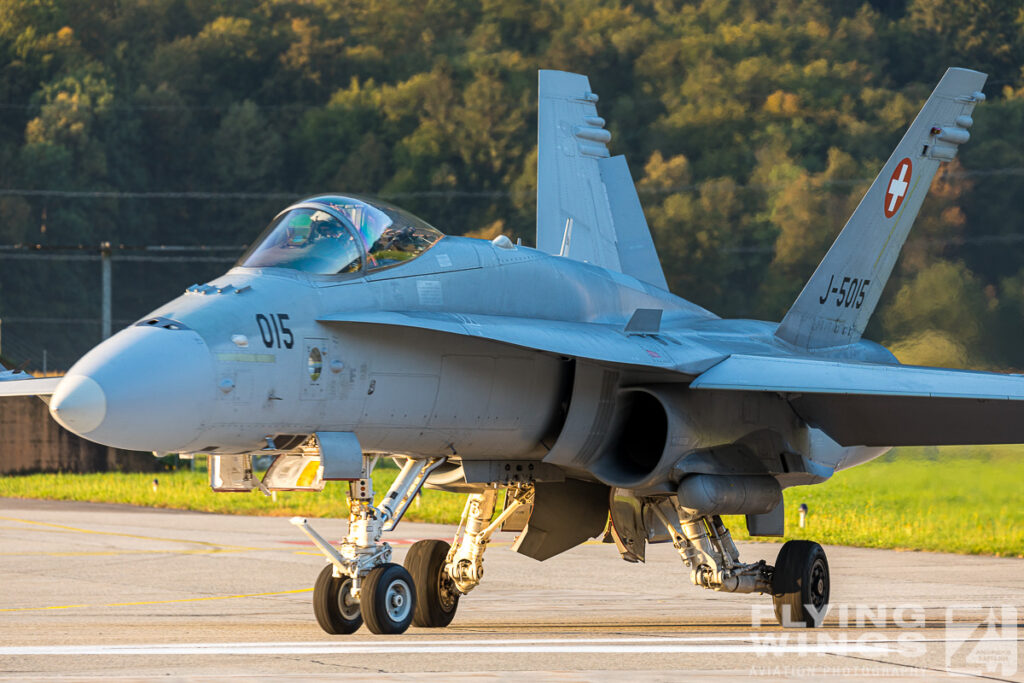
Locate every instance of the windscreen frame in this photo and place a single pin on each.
(314, 206)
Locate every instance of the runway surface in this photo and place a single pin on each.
(91, 591)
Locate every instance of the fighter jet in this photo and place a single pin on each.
(566, 377)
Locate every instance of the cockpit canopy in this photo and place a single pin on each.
(332, 234)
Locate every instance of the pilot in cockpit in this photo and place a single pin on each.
(319, 241)
(326, 226)
(304, 229)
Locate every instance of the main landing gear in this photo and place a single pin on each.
(362, 585)
(442, 572)
(798, 583)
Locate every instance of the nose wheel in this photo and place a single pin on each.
(334, 606)
(361, 584)
(388, 599)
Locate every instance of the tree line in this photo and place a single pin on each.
(752, 130)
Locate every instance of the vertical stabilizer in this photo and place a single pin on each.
(587, 206)
(637, 254)
(836, 303)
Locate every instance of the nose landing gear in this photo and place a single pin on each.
(388, 599)
(361, 584)
(336, 609)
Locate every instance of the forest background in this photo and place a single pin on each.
(752, 129)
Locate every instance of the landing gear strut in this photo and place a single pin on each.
(798, 583)
(444, 573)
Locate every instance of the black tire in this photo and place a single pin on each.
(335, 610)
(437, 598)
(388, 599)
(800, 585)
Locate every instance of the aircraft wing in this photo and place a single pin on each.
(22, 384)
(591, 341)
(865, 404)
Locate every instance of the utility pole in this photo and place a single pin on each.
(106, 322)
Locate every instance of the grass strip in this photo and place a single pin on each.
(952, 500)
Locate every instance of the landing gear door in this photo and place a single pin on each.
(294, 473)
(627, 526)
(231, 473)
(315, 366)
(518, 520)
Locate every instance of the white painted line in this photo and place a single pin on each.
(402, 641)
(754, 643)
(409, 646)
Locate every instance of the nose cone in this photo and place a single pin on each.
(143, 389)
(78, 404)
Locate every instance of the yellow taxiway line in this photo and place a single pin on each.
(64, 527)
(113, 553)
(158, 602)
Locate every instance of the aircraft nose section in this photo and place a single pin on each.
(145, 388)
(79, 404)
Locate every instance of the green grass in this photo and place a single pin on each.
(945, 499)
(951, 499)
(186, 490)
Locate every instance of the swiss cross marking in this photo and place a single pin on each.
(897, 190)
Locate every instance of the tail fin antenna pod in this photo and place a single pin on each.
(836, 303)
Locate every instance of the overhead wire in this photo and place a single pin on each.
(449, 194)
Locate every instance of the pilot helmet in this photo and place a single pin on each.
(325, 225)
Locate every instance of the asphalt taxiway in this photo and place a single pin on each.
(91, 591)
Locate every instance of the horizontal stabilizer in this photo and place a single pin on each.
(865, 404)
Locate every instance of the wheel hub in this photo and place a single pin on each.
(819, 584)
(446, 591)
(348, 605)
(397, 600)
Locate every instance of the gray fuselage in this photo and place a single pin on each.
(258, 361)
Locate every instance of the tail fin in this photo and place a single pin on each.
(587, 206)
(836, 303)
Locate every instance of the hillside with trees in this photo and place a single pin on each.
(752, 129)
